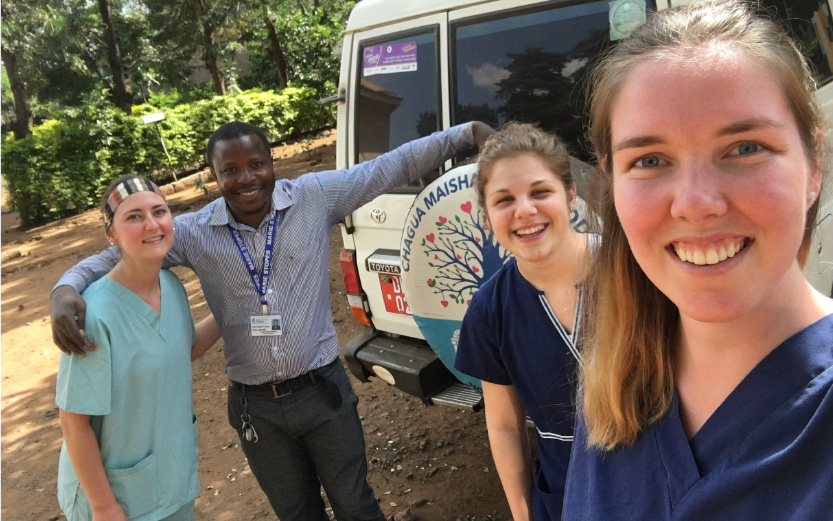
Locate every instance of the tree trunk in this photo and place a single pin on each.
(211, 62)
(22, 126)
(276, 52)
(209, 55)
(121, 98)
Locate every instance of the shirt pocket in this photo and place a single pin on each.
(178, 471)
(546, 505)
(295, 256)
(135, 488)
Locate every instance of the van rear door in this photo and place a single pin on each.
(396, 97)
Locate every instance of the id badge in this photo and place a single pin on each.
(266, 325)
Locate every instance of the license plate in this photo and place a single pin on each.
(395, 301)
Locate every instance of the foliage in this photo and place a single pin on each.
(175, 97)
(310, 41)
(83, 143)
(68, 161)
(6, 102)
(62, 52)
(60, 48)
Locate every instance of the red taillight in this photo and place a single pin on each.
(355, 297)
(349, 271)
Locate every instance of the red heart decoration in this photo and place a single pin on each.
(437, 258)
(443, 220)
(430, 281)
(429, 237)
(444, 303)
(477, 239)
(466, 207)
(475, 269)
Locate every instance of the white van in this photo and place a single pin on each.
(413, 257)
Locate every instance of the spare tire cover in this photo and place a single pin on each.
(446, 254)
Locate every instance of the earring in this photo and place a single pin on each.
(811, 196)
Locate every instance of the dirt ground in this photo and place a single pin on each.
(426, 463)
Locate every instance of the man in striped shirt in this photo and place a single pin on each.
(261, 254)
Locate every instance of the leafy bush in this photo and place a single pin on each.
(174, 97)
(66, 163)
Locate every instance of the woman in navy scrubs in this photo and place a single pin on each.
(708, 370)
(519, 333)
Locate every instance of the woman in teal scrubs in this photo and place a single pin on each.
(130, 433)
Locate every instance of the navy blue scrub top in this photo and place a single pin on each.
(510, 336)
(766, 453)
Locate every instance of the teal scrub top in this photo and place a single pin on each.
(136, 386)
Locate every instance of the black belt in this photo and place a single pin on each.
(285, 387)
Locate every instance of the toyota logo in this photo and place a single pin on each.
(378, 215)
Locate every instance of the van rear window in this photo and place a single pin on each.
(529, 67)
(397, 98)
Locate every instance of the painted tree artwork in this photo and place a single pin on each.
(463, 253)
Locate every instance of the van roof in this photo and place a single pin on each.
(372, 13)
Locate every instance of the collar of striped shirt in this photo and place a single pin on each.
(281, 199)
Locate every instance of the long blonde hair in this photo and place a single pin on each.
(627, 377)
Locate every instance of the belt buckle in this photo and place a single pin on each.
(275, 393)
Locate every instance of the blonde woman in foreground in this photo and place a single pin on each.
(708, 369)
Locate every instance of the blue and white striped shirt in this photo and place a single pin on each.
(298, 288)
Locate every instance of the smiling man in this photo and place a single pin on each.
(261, 254)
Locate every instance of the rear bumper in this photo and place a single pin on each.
(406, 363)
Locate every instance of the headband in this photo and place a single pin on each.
(121, 192)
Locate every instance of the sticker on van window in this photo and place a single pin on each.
(625, 17)
(389, 58)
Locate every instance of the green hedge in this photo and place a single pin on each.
(63, 167)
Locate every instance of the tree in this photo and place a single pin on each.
(275, 51)
(211, 29)
(536, 89)
(209, 25)
(121, 98)
(67, 54)
(18, 36)
(70, 56)
(60, 53)
(22, 125)
(307, 41)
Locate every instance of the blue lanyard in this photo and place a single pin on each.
(260, 281)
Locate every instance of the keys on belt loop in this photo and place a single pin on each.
(248, 430)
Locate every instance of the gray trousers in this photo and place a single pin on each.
(304, 443)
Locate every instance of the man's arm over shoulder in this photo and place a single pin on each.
(89, 270)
